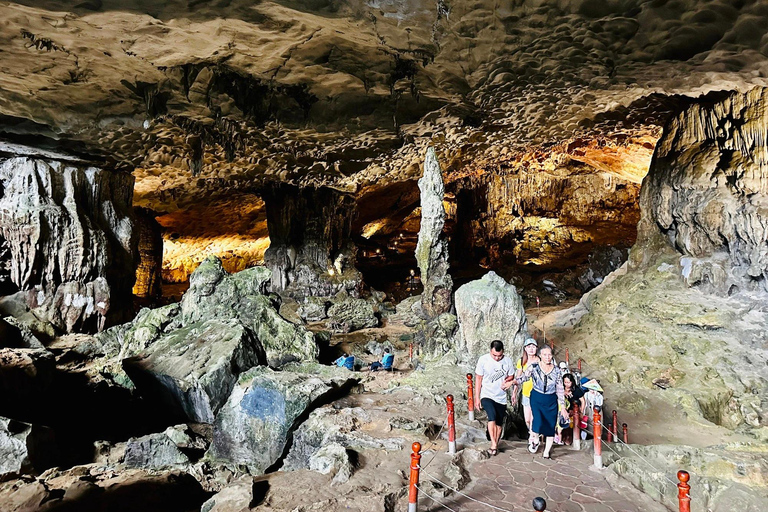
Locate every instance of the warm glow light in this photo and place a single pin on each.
(371, 229)
(184, 254)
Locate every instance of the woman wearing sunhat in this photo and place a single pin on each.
(530, 349)
(546, 395)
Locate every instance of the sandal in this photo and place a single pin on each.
(492, 451)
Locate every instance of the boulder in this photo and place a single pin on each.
(14, 334)
(213, 293)
(26, 377)
(238, 496)
(313, 309)
(154, 451)
(489, 309)
(253, 427)
(328, 426)
(25, 449)
(193, 369)
(332, 459)
(351, 314)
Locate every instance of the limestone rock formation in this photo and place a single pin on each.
(95, 487)
(14, 334)
(707, 191)
(310, 251)
(193, 369)
(237, 301)
(489, 309)
(351, 314)
(238, 496)
(150, 260)
(432, 248)
(69, 229)
(253, 427)
(154, 452)
(319, 443)
(25, 449)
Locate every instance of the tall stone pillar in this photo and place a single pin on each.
(432, 247)
(150, 265)
(310, 252)
(69, 231)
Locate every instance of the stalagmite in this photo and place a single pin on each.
(432, 248)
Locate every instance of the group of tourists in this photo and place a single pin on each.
(549, 395)
(386, 363)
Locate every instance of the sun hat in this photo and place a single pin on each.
(529, 341)
(593, 385)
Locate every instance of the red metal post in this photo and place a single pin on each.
(567, 359)
(413, 492)
(614, 435)
(579, 365)
(576, 426)
(626, 437)
(598, 434)
(551, 343)
(684, 491)
(451, 427)
(471, 396)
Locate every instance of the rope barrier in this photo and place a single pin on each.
(434, 443)
(432, 477)
(433, 499)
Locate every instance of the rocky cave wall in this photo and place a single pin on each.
(71, 244)
(310, 252)
(707, 193)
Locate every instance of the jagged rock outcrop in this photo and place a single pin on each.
(238, 496)
(707, 189)
(236, 301)
(310, 253)
(351, 314)
(69, 230)
(193, 369)
(25, 449)
(489, 309)
(253, 427)
(432, 248)
(14, 334)
(150, 255)
(320, 443)
(154, 452)
(96, 487)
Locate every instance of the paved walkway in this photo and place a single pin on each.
(568, 482)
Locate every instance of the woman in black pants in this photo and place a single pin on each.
(546, 395)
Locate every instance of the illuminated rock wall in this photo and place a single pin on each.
(69, 229)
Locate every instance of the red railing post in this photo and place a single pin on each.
(567, 359)
(576, 426)
(626, 437)
(684, 491)
(578, 364)
(551, 344)
(614, 436)
(413, 481)
(598, 433)
(451, 427)
(471, 396)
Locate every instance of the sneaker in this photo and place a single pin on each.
(533, 447)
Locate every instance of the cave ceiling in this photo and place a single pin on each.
(210, 101)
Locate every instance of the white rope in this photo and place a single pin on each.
(434, 443)
(662, 473)
(431, 477)
(433, 499)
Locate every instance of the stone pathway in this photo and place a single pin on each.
(568, 482)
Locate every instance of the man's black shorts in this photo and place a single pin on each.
(494, 410)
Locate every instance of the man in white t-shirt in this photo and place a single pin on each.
(491, 389)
